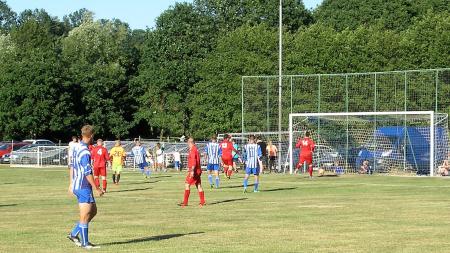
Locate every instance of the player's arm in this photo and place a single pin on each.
(107, 157)
(298, 145)
(70, 178)
(313, 146)
(87, 172)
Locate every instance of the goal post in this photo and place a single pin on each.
(411, 142)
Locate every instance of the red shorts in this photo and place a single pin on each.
(100, 171)
(303, 159)
(196, 180)
(227, 161)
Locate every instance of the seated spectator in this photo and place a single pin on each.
(444, 168)
(338, 170)
(365, 168)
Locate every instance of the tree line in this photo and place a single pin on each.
(183, 75)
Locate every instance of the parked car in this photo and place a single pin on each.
(31, 153)
(40, 142)
(6, 148)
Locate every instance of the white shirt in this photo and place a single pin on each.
(176, 156)
(159, 156)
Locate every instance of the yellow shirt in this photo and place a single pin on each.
(117, 154)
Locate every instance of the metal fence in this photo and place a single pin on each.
(39, 156)
(410, 90)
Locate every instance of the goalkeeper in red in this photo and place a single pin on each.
(194, 174)
(306, 146)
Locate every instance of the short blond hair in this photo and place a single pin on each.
(87, 131)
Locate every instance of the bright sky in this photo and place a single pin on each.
(139, 14)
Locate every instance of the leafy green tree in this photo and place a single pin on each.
(215, 101)
(7, 17)
(34, 101)
(98, 57)
(231, 14)
(393, 14)
(168, 69)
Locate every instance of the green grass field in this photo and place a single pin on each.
(290, 214)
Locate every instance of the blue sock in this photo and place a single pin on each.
(210, 179)
(217, 182)
(84, 234)
(76, 230)
(256, 185)
(148, 172)
(245, 183)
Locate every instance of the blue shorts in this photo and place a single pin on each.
(143, 165)
(214, 167)
(84, 196)
(254, 171)
(177, 164)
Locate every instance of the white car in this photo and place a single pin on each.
(40, 142)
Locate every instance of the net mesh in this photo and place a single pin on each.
(389, 143)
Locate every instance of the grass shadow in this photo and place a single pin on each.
(141, 182)
(8, 205)
(132, 190)
(150, 238)
(280, 189)
(160, 176)
(234, 186)
(226, 201)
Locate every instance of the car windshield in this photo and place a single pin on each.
(17, 147)
(4, 147)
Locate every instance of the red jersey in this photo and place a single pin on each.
(194, 161)
(227, 149)
(100, 156)
(306, 146)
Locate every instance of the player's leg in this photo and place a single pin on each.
(310, 167)
(96, 176)
(256, 174)
(216, 173)
(103, 177)
(247, 173)
(210, 170)
(201, 193)
(187, 192)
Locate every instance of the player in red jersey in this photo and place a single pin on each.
(194, 174)
(100, 158)
(227, 148)
(306, 146)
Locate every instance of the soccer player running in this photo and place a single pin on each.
(227, 149)
(252, 156)
(139, 159)
(118, 155)
(100, 158)
(306, 146)
(81, 186)
(213, 153)
(194, 174)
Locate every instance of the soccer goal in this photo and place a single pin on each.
(412, 142)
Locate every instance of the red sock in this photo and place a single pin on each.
(186, 197)
(97, 182)
(202, 197)
(225, 170)
(104, 184)
(310, 170)
(230, 172)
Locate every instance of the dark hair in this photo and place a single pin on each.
(74, 137)
(251, 137)
(307, 134)
(226, 137)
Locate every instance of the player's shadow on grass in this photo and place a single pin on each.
(235, 186)
(226, 201)
(132, 190)
(150, 238)
(143, 182)
(280, 189)
(160, 176)
(8, 205)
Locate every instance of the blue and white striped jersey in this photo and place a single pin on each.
(139, 154)
(81, 163)
(252, 153)
(214, 152)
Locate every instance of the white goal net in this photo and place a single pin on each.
(384, 142)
